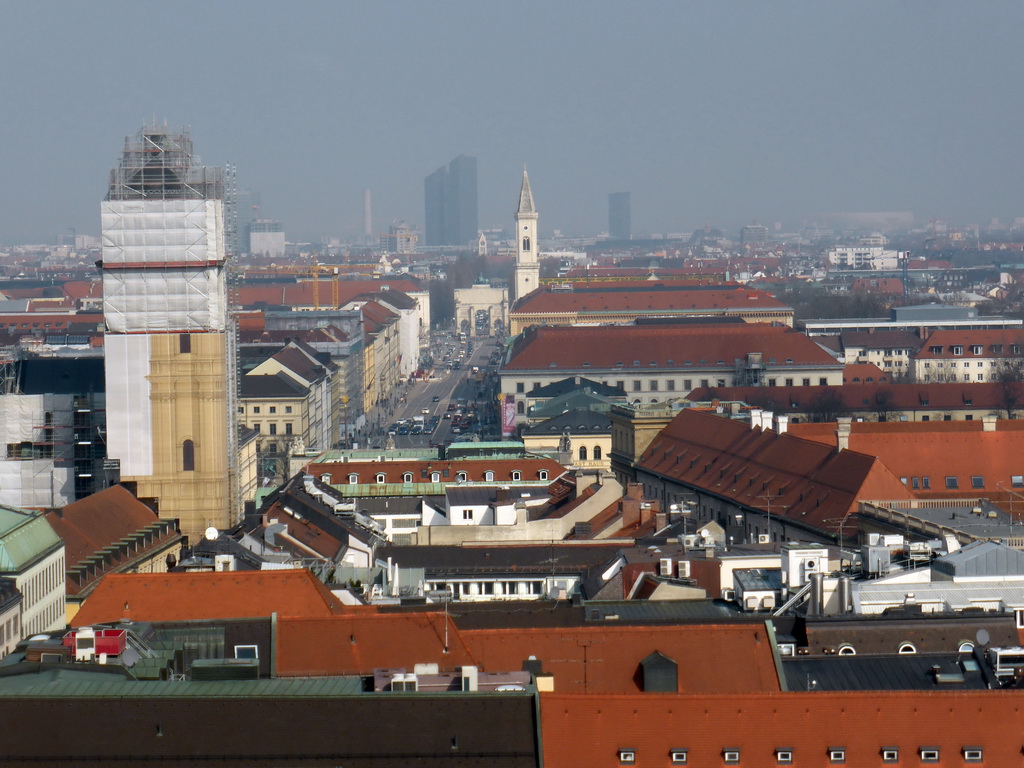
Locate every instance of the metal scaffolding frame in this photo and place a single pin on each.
(158, 164)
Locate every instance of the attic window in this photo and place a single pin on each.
(489, 476)
(654, 363)
(517, 475)
(586, 365)
(789, 361)
(952, 483)
(435, 477)
(731, 756)
(636, 362)
(353, 479)
(677, 756)
(627, 756)
(973, 755)
(618, 364)
(325, 478)
(247, 652)
(543, 474)
(784, 756)
(380, 478)
(407, 477)
(929, 754)
(552, 365)
(836, 755)
(977, 481)
(461, 477)
(1017, 481)
(890, 755)
(847, 650)
(907, 649)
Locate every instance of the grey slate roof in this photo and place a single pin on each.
(981, 558)
(572, 383)
(907, 672)
(577, 421)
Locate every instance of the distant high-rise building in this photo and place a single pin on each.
(266, 238)
(450, 196)
(433, 194)
(367, 215)
(620, 216)
(169, 362)
(754, 233)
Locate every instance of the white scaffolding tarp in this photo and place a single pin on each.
(162, 231)
(19, 417)
(129, 424)
(35, 483)
(159, 301)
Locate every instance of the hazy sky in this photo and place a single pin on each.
(708, 112)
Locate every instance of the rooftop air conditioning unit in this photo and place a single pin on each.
(684, 569)
(665, 568)
(764, 538)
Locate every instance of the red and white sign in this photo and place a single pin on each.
(508, 416)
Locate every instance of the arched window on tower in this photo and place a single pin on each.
(583, 453)
(526, 243)
(188, 456)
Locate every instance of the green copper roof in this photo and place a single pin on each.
(24, 536)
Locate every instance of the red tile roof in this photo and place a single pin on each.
(757, 724)
(364, 640)
(605, 658)
(864, 372)
(937, 449)
(307, 294)
(810, 484)
(986, 337)
(206, 595)
(88, 525)
(569, 347)
(646, 297)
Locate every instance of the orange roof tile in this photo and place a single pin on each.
(207, 595)
(757, 724)
(668, 346)
(605, 658)
(937, 449)
(364, 640)
(649, 296)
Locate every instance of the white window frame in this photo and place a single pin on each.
(973, 754)
(907, 649)
(407, 477)
(890, 755)
(677, 756)
(353, 479)
(627, 756)
(929, 754)
(516, 475)
(837, 754)
(542, 474)
(731, 756)
(784, 756)
(381, 478)
(255, 650)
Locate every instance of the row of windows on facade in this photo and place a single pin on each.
(903, 649)
(497, 588)
(272, 428)
(10, 630)
(954, 364)
(271, 409)
(976, 349)
(654, 385)
(435, 477)
(953, 482)
(834, 755)
(44, 582)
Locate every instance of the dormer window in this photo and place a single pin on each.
(677, 757)
(380, 478)
(353, 479)
(325, 478)
(461, 477)
(929, 754)
(627, 757)
(890, 755)
(973, 755)
(784, 756)
(407, 477)
(731, 756)
(836, 755)
(517, 475)
(489, 476)
(435, 477)
(542, 475)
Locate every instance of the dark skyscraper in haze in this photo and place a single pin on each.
(451, 203)
(620, 218)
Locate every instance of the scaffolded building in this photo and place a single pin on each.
(169, 385)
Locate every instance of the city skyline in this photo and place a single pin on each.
(709, 114)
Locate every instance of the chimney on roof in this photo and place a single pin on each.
(843, 428)
(782, 424)
(630, 504)
(988, 423)
(755, 418)
(766, 419)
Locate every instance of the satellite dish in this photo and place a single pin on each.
(982, 637)
(211, 534)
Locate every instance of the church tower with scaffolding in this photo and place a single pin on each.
(167, 343)
(527, 266)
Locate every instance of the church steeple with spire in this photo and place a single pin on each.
(527, 267)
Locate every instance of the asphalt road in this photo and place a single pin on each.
(449, 388)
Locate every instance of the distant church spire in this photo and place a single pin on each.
(526, 196)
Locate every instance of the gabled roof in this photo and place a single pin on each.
(205, 595)
(1006, 338)
(572, 384)
(579, 421)
(937, 449)
(809, 484)
(98, 520)
(648, 297)
(669, 346)
(308, 294)
(279, 384)
(982, 558)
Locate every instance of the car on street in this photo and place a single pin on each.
(435, 399)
